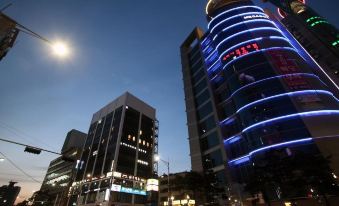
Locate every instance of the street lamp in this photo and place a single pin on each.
(2, 159)
(157, 159)
(60, 49)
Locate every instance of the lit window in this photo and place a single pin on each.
(139, 141)
(143, 142)
(140, 132)
(129, 137)
(133, 138)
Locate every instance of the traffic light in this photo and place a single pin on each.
(32, 150)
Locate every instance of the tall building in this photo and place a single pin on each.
(8, 194)
(61, 171)
(319, 38)
(250, 96)
(118, 155)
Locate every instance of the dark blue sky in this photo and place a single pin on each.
(117, 46)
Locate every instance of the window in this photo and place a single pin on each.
(198, 76)
(199, 87)
(205, 110)
(212, 159)
(209, 141)
(206, 125)
(203, 97)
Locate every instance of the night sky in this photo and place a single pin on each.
(116, 46)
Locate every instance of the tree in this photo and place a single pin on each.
(294, 173)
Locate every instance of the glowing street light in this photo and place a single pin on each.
(2, 159)
(60, 49)
(157, 159)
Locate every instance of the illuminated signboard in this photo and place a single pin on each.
(116, 174)
(256, 16)
(132, 191)
(283, 62)
(119, 188)
(240, 52)
(116, 188)
(152, 185)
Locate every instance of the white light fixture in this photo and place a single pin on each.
(60, 49)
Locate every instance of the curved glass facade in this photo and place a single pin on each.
(264, 90)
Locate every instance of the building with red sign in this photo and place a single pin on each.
(255, 106)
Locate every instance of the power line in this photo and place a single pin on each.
(21, 170)
(23, 135)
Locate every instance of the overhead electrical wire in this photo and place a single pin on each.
(21, 170)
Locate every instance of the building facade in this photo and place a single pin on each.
(118, 155)
(61, 171)
(249, 93)
(316, 35)
(8, 194)
(177, 189)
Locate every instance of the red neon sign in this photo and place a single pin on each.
(240, 52)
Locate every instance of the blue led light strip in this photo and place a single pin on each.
(216, 65)
(203, 43)
(212, 55)
(244, 22)
(247, 157)
(232, 17)
(240, 7)
(311, 113)
(232, 139)
(285, 94)
(242, 32)
(249, 30)
(266, 79)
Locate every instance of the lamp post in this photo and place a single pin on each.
(157, 158)
(59, 48)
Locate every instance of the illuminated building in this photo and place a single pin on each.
(60, 173)
(249, 92)
(118, 155)
(8, 194)
(180, 193)
(317, 36)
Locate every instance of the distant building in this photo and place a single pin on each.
(179, 191)
(8, 194)
(61, 171)
(118, 155)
